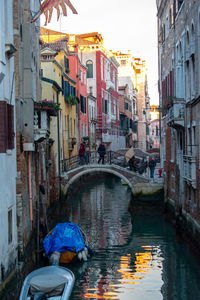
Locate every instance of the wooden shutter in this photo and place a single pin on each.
(3, 126)
(11, 134)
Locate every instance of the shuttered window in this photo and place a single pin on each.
(66, 64)
(83, 104)
(126, 106)
(3, 127)
(10, 114)
(6, 126)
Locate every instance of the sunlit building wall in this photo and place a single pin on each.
(179, 87)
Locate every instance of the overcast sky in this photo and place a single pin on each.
(124, 25)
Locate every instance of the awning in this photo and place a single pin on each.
(129, 154)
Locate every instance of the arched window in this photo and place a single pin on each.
(187, 38)
(89, 65)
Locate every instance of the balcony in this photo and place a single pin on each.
(190, 170)
(41, 126)
(176, 113)
(110, 85)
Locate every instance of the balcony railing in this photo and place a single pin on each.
(176, 113)
(110, 85)
(190, 169)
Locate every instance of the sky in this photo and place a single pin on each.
(124, 25)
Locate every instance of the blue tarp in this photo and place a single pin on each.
(65, 236)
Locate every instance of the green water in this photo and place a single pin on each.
(138, 258)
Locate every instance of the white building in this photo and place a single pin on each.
(8, 227)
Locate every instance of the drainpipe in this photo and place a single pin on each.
(58, 133)
(30, 187)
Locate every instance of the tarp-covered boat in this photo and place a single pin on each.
(52, 283)
(65, 243)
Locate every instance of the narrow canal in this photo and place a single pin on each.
(138, 257)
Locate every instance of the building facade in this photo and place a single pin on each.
(102, 84)
(8, 174)
(126, 115)
(132, 71)
(179, 85)
(78, 72)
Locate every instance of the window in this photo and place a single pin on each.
(126, 106)
(67, 131)
(41, 73)
(106, 106)
(74, 127)
(66, 64)
(70, 127)
(10, 226)
(91, 90)
(80, 74)
(157, 132)
(7, 126)
(83, 104)
(89, 65)
(123, 62)
(66, 126)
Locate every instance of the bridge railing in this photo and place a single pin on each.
(92, 157)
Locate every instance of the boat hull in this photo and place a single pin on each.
(46, 272)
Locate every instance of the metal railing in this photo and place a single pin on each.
(92, 157)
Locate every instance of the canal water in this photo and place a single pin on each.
(138, 257)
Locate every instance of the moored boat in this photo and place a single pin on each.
(48, 283)
(65, 243)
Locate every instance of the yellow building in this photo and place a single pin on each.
(59, 87)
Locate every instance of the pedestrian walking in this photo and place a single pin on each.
(152, 165)
(102, 151)
(81, 153)
(87, 152)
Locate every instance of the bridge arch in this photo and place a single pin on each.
(71, 179)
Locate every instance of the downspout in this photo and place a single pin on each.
(58, 133)
(30, 187)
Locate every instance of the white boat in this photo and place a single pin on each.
(48, 283)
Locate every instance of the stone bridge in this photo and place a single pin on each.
(137, 183)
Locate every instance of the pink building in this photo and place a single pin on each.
(102, 84)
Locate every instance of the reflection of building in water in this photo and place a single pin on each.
(130, 275)
(98, 215)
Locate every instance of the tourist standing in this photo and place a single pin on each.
(102, 151)
(81, 153)
(152, 165)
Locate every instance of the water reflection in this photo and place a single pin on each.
(134, 259)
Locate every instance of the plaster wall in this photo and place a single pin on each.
(8, 246)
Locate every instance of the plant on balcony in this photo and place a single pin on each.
(48, 105)
(71, 100)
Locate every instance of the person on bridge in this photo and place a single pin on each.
(81, 153)
(152, 165)
(102, 151)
